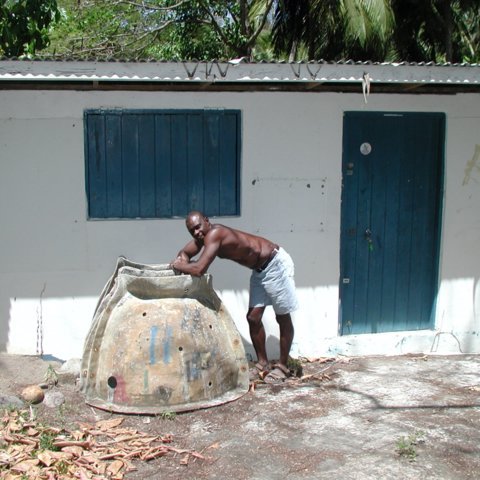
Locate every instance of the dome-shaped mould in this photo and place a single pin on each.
(161, 342)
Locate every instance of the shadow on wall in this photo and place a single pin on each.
(272, 345)
(33, 300)
(4, 321)
(41, 313)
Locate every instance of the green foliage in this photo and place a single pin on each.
(333, 29)
(168, 415)
(159, 29)
(406, 446)
(24, 25)
(95, 29)
(437, 30)
(295, 366)
(62, 467)
(51, 376)
(190, 37)
(46, 440)
(378, 30)
(367, 23)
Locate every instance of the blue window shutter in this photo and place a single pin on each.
(96, 167)
(130, 166)
(179, 165)
(212, 162)
(195, 154)
(221, 164)
(161, 164)
(146, 151)
(113, 136)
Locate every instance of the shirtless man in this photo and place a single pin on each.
(271, 282)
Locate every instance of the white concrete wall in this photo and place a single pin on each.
(54, 263)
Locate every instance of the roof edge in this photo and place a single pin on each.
(238, 71)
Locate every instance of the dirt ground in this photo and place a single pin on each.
(409, 417)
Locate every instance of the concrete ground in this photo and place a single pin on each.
(409, 417)
(390, 418)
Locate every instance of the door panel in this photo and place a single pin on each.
(391, 203)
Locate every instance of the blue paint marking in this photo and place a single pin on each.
(167, 343)
(153, 334)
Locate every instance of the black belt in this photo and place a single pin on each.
(267, 262)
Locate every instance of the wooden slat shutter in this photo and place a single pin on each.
(162, 164)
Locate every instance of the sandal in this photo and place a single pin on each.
(278, 375)
(258, 372)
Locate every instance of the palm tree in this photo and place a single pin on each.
(333, 29)
(379, 30)
(437, 30)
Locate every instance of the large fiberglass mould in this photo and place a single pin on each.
(161, 342)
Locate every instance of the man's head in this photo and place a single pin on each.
(198, 225)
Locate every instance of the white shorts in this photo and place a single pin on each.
(275, 285)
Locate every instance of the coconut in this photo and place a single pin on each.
(33, 394)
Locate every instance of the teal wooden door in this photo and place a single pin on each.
(390, 227)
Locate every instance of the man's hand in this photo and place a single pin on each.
(176, 264)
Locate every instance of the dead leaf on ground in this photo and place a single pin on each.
(102, 449)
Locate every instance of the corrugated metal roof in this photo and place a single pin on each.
(240, 72)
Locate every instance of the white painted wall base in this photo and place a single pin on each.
(58, 327)
(425, 342)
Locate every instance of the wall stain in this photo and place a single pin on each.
(472, 165)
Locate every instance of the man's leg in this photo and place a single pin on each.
(286, 337)
(257, 333)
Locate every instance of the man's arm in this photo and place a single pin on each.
(189, 251)
(197, 268)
